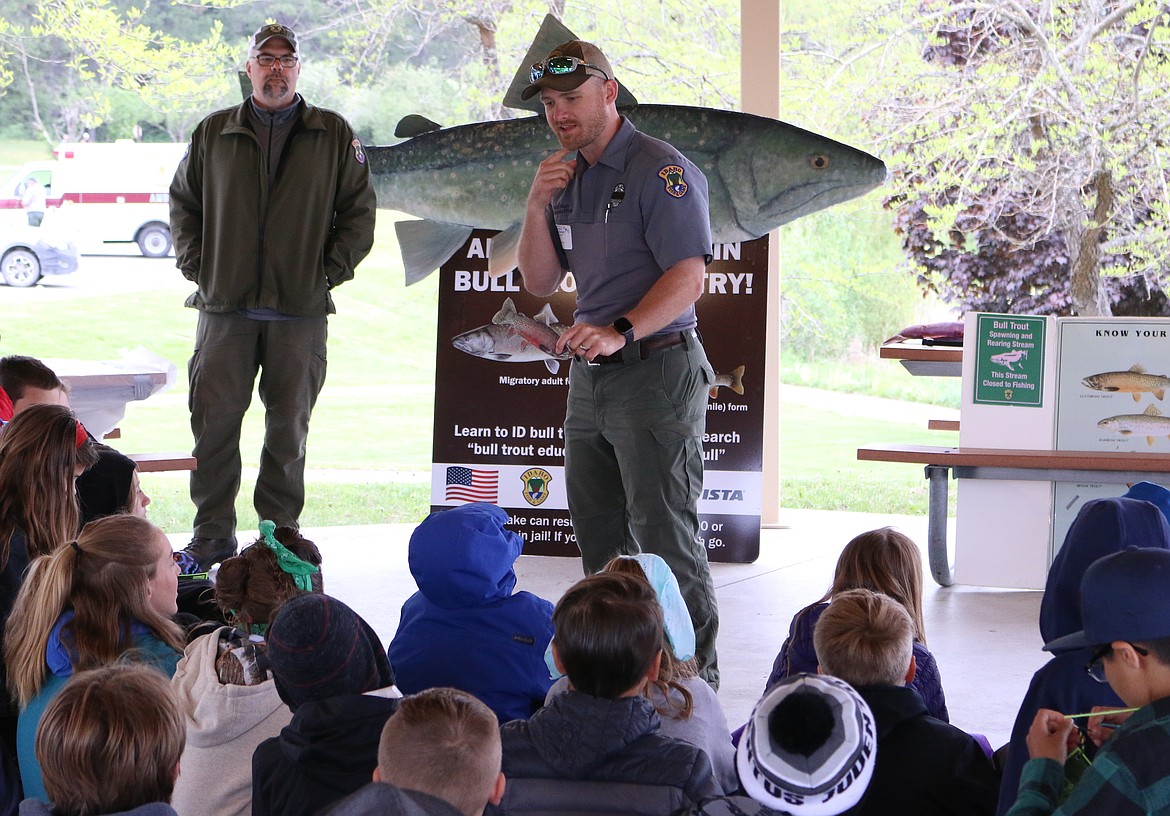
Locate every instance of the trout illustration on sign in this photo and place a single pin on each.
(761, 173)
(1149, 424)
(1135, 382)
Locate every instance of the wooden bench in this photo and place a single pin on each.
(1105, 467)
(160, 462)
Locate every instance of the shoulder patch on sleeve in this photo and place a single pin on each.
(672, 175)
(358, 153)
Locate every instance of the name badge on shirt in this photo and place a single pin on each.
(566, 233)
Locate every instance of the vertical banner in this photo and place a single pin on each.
(500, 401)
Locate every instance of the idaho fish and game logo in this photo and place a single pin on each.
(672, 174)
(536, 483)
(358, 153)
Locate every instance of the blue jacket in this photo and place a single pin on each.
(1102, 527)
(465, 627)
(59, 659)
(798, 655)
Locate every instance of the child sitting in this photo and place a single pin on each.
(110, 593)
(332, 673)
(609, 642)
(808, 750)
(466, 627)
(223, 683)
(1126, 612)
(439, 755)
(886, 561)
(924, 765)
(689, 708)
(109, 743)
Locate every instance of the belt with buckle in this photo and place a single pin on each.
(647, 346)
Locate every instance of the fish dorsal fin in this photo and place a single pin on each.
(427, 245)
(1137, 368)
(551, 34)
(1152, 411)
(414, 125)
(507, 310)
(546, 315)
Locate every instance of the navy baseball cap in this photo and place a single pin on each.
(1124, 596)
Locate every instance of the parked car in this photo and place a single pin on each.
(27, 253)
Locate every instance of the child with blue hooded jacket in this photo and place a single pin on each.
(466, 627)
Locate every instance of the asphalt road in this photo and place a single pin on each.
(111, 274)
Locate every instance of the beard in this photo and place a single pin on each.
(276, 91)
(586, 129)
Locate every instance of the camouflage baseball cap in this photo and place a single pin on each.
(271, 31)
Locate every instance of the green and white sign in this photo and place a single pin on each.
(1009, 362)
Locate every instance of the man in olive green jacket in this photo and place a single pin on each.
(270, 209)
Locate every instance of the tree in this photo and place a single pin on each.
(1026, 146)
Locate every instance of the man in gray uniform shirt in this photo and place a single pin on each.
(630, 220)
(271, 208)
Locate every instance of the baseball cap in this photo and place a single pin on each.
(809, 747)
(268, 32)
(590, 61)
(1124, 596)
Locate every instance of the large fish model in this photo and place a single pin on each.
(761, 173)
(1135, 381)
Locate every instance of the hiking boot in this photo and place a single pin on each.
(210, 551)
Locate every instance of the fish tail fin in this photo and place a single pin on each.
(713, 391)
(506, 313)
(737, 380)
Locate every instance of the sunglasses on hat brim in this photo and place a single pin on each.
(562, 66)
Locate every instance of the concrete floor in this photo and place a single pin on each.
(986, 641)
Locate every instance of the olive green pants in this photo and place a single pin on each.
(634, 471)
(230, 350)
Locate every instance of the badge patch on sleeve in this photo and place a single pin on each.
(672, 174)
(358, 153)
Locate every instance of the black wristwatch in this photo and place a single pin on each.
(626, 328)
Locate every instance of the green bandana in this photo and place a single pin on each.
(287, 560)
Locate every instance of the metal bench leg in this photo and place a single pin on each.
(936, 526)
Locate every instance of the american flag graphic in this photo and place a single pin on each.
(472, 484)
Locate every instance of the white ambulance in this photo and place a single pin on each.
(103, 194)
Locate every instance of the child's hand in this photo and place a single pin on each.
(1102, 728)
(1051, 736)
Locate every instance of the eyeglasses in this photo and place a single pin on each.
(559, 66)
(268, 60)
(1096, 665)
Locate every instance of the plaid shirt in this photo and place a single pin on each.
(1131, 774)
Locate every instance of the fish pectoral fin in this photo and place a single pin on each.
(414, 125)
(427, 245)
(504, 251)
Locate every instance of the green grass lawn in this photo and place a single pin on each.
(376, 411)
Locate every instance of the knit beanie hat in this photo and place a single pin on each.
(320, 648)
(809, 747)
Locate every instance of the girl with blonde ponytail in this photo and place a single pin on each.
(107, 596)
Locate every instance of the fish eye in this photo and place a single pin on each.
(819, 162)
